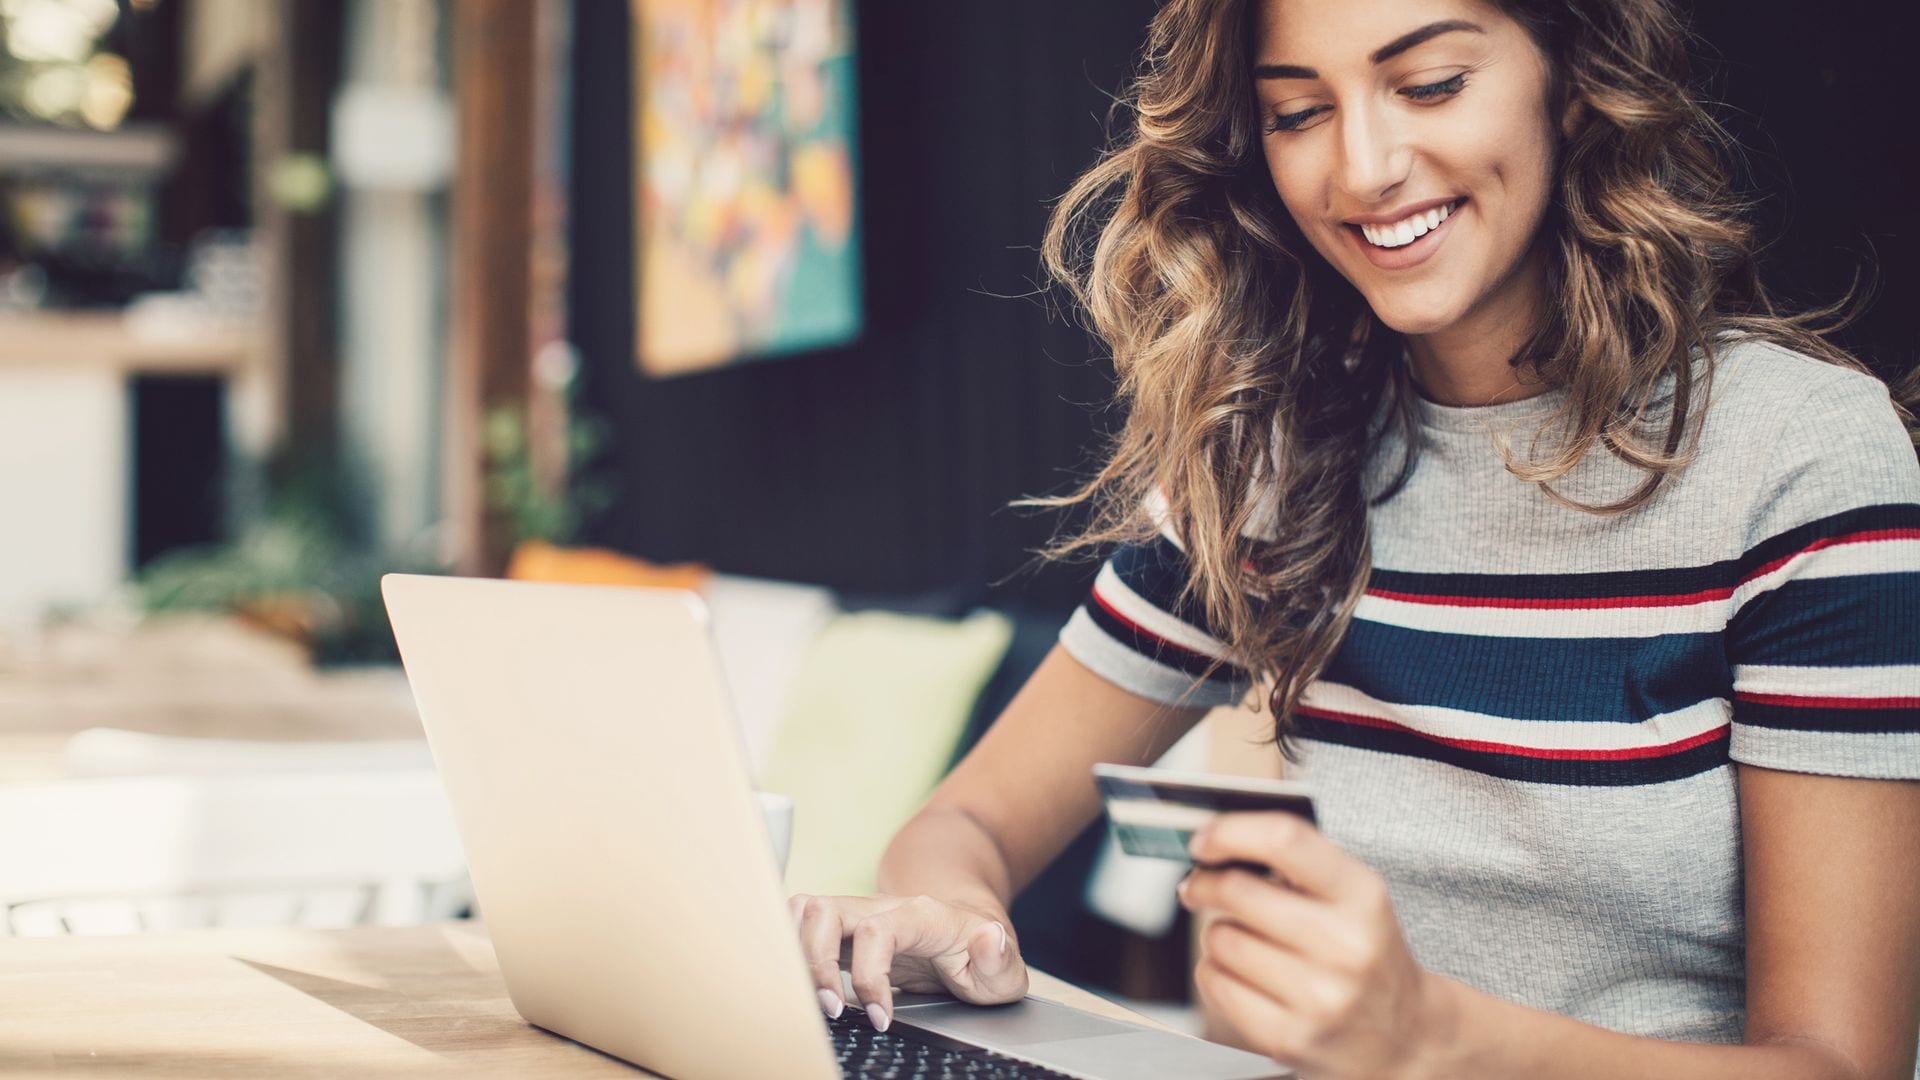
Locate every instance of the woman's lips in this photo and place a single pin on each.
(1407, 255)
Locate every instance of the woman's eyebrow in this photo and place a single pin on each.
(1380, 56)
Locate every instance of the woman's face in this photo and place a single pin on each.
(1383, 115)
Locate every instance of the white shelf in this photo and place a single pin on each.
(136, 152)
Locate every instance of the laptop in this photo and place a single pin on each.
(601, 792)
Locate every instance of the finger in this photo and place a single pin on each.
(1291, 847)
(1263, 1023)
(1290, 918)
(1281, 975)
(994, 972)
(875, 940)
(821, 931)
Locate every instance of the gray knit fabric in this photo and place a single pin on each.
(1531, 730)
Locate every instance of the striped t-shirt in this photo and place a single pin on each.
(1530, 726)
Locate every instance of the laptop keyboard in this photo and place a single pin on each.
(902, 1054)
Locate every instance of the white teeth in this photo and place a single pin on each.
(1405, 232)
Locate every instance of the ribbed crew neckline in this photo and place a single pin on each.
(1440, 417)
(1539, 407)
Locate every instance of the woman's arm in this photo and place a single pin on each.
(1024, 793)
(1319, 977)
(1003, 813)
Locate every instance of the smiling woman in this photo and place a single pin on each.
(1582, 580)
(1460, 422)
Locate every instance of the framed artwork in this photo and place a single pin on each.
(747, 219)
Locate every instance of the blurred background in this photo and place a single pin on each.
(736, 295)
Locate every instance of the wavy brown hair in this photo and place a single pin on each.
(1247, 365)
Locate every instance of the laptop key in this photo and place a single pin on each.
(902, 1054)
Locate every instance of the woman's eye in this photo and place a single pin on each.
(1443, 88)
(1292, 121)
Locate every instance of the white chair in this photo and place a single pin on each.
(315, 849)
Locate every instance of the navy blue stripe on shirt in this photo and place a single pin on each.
(1157, 571)
(1158, 649)
(1611, 585)
(1627, 680)
(1895, 719)
(1853, 621)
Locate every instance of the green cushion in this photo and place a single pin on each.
(871, 722)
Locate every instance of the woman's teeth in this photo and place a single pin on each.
(1402, 233)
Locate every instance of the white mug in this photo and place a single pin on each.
(778, 812)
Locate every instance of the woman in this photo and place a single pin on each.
(1583, 583)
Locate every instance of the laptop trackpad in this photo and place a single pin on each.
(1080, 1042)
(1018, 1023)
(1153, 1055)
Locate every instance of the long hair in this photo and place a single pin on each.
(1252, 372)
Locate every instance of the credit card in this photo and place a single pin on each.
(1155, 812)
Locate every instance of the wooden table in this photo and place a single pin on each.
(292, 1003)
(189, 675)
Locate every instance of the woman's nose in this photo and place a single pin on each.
(1374, 157)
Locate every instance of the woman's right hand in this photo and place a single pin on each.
(916, 943)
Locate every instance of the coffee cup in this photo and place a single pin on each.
(778, 812)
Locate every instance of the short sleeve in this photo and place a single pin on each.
(1824, 639)
(1134, 631)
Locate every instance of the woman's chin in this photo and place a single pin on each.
(1413, 319)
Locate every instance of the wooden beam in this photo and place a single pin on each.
(489, 362)
(294, 83)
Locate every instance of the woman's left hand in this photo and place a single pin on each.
(1309, 964)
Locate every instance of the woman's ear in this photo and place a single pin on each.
(1573, 117)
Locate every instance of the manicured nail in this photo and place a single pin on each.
(996, 961)
(830, 1003)
(878, 1015)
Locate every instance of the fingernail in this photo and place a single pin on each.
(831, 1004)
(997, 959)
(1196, 842)
(878, 1016)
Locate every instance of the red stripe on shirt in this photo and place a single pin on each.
(1833, 541)
(1107, 606)
(1629, 753)
(1828, 702)
(1555, 603)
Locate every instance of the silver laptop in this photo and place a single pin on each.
(601, 791)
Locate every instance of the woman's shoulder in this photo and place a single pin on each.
(1810, 438)
(1758, 377)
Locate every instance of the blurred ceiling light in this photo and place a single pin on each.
(109, 92)
(55, 31)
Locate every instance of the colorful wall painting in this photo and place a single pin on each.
(747, 224)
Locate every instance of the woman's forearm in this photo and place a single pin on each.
(1481, 1035)
(944, 853)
